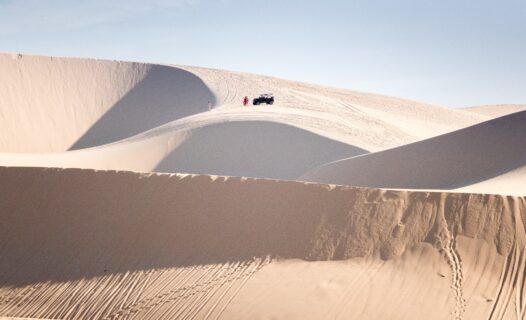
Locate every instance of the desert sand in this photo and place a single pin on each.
(123, 197)
(487, 157)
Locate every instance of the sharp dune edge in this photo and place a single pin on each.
(90, 230)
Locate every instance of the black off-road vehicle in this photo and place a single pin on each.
(267, 98)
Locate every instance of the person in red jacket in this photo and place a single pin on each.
(245, 101)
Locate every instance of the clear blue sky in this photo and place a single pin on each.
(449, 52)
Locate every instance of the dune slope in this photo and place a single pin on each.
(81, 244)
(458, 159)
(55, 104)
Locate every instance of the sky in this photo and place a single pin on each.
(450, 52)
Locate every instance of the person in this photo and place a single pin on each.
(209, 105)
(245, 101)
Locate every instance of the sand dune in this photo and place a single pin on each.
(144, 117)
(124, 242)
(124, 245)
(56, 104)
(240, 148)
(474, 155)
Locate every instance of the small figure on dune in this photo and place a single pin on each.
(209, 105)
(245, 101)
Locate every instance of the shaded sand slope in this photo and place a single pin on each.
(80, 244)
(253, 149)
(458, 159)
(53, 104)
(237, 148)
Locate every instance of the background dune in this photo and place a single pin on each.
(56, 104)
(236, 148)
(145, 117)
(454, 160)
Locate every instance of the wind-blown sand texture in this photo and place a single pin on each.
(123, 197)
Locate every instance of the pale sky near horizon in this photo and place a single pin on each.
(449, 52)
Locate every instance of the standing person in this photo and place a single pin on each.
(245, 101)
(209, 105)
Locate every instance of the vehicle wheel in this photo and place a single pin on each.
(271, 102)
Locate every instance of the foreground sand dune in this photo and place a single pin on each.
(482, 155)
(81, 244)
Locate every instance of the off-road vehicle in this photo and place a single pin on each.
(267, 98)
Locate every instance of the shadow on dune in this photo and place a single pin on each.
(453, 160)
(165, 94)
(254, 149)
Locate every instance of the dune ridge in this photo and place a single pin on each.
(69, 232)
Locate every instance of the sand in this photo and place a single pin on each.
(106, 245)
(143, 118)
(489, 156)
(123, 197)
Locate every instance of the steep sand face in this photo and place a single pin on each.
(491, 156)
(54, 104)
(85, 244)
